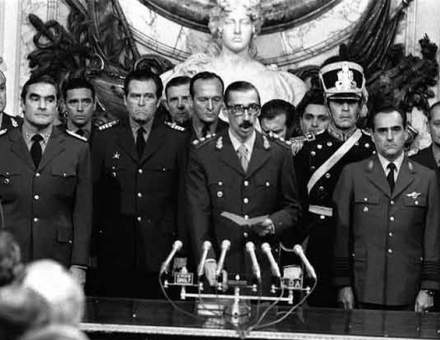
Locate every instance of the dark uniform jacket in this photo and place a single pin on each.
(319, 228)
(137, 199)
(426, 158)
(216, 183)
(221, 127)
(387, 245)
(48, 209)
(9, 122)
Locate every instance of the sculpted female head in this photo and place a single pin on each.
(233, 23)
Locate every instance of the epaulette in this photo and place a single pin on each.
(205, 140)
(76, 135)
(175, 126)
(278, 140)
(3, 131)
(108, 125)
(412, 152)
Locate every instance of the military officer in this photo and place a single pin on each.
(46, 183)
(244, 173)
(138, 168)
(178, 100)
(320, 162)
(387, 245)
(6, 121)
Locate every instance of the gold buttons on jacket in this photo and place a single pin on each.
(219, 194)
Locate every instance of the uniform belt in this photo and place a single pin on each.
(320, 210)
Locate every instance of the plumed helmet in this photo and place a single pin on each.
(343, 80)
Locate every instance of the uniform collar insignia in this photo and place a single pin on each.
(414, 195)
(116, 155)
(266, 143)
(219, 143)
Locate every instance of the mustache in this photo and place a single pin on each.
(246, 124)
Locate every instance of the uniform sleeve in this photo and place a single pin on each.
(199, 205)
(286, 218)
(342, 198)
(431, 265)
(82, 215)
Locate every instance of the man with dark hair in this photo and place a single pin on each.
(277, 117)
(79, 98)
(46, 183)
(6, 121)
(320, 162)
(312, 113)
(138, 168)
(242, 172)
(387, 244)
(178, 100)
(206, 90)
(430, 156)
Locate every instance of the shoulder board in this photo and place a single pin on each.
(175, 126)
(3, 131)
(76, 135)
(206, 140)
(278, 140)
(108, 125)
(413, 152)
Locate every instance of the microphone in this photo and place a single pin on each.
(265, 247)
(177, 245)
(206, 247)
(226, 244)
(250, 247)
(298, 250)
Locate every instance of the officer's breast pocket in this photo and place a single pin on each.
(367, 206)
(265, 185)
(10, 180)
(218, 193)
(64, 180)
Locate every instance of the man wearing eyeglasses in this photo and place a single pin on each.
(242, 172)
(80, 103)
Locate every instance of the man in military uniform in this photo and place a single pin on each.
(206, 90)
(320, 162)
(138, 168)
(6, 121)
(46, 183)
(178, 101)
(242, 172)
(80, 102)
(387, 245)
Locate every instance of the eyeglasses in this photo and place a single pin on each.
(238, 110)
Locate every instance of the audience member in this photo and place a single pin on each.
(225, 174)
(178, 101)
(206, 90)
(319, 164)
(46, 182)
(387, 244)
(10, 258)
(80, 102)
(312, 112)
(6, 121)
(61, 290)
(138, 165)
(276, 118)
(21, 310)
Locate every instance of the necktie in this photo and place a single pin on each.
(80, 132)
(36, 151)
(140, 141)
(390, 176)
(205, 129)
(242, 154)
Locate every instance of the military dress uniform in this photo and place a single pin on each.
(318, 223)
(387, 243)
(49, 208)
(216, 183)
(137, 205)
(9, 122)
